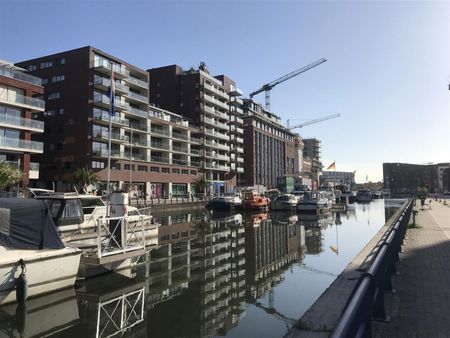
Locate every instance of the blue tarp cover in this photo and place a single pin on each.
(27, 224)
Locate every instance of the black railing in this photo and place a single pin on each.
(366, 303)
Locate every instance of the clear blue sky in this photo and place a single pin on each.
(387, 73)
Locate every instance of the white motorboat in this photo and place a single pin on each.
(284, 202)
(30, 246)
(228, 201)
(315, 202)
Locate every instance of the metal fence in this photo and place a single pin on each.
(366, 303)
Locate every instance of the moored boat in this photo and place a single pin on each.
(228, 201)
(284, 202)
(30, 246)
(314, 202)
(253, 200)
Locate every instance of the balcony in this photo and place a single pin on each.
(180, 149)
(160, 132)
(21, 123)
(195, 152)
(139, 127)
(215, 102)
(237, 111)
(137, 97)
(240, 169)
(236, 101)
(239, 150)
(215, 112)
(195, 140)
(237, 139)
(115, 120)
(19, 145)
(236, 119)
(216, 134)
(114, 154)
(159, 159)
(104, 101)
(9, 71)
(234, 91)
(240, 160)
(215, 91)
(178, 161)
(104, 83)
(216, 145)
(139, 112)
(139, 157)
(180, 136)
(216, 167)
(217, 156)
(136, 82)
(161, 146)
(22, 101)
(114, 137)
(104, 66)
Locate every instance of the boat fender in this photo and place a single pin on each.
(22, 284)
(21, 317)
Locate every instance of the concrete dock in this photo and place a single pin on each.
(421, 304)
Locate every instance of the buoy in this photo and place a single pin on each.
(22, 284)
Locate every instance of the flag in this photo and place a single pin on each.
(332, 166)
(112, 91)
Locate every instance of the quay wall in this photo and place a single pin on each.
(322, 317)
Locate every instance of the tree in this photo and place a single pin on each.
(199, 184)
(9, 175)
(84, 177)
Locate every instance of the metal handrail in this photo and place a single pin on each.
(366, 302)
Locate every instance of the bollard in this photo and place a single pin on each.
(414, 217)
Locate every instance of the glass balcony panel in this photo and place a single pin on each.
(24, 145)
(21, 122)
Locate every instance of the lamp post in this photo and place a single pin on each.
(131, 158)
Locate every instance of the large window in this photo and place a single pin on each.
(179, 189)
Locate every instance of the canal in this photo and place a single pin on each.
(212, 274)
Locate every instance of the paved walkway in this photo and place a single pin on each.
(421, 305)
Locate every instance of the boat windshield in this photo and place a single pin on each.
(89, 204)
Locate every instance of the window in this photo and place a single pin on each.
(165, 170)
(127, 167)
(185, 172)
(154, 169)
(98, 165)
(31, 68)
(47, 64)
(175, 171)
(44, 81)
(142, 168)
(194, 172)
(52, 146)
(59, 146)
(54, 96)
(49, 113)
(61, 61)
(61, 111)
(58, 78)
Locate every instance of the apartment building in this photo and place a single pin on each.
(20, 98)
(211, 102)
(77, 125)
(269, 147)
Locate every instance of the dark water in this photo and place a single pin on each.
(235, 275)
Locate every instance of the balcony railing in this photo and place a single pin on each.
(160, 146)
(137, 82)
(18, 75)
(21, 145)
(106, 66)
(215, 101)
(18, 99)
(160, 132)
(215, 91)
(138, 97)
(106, 83)
(159, 159)
(114, 119)
(179, 161)
(22, 123)
(180, 149)
(137, 111)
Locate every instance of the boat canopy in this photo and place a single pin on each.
(27, 224)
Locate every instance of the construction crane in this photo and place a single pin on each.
(268, 86)
(307, 123)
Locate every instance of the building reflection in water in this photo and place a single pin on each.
(197, 282)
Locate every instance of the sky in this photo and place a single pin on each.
(387, 74)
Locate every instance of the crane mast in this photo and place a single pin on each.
(268, 86)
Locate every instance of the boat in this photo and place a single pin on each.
(315, 202)
(78, 214)
(253, 200)
(377, 194)
(30, 246)
(364, 196)
(228, 201)
(284, 202)
(348, 197)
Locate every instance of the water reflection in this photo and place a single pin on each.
(250, 274)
